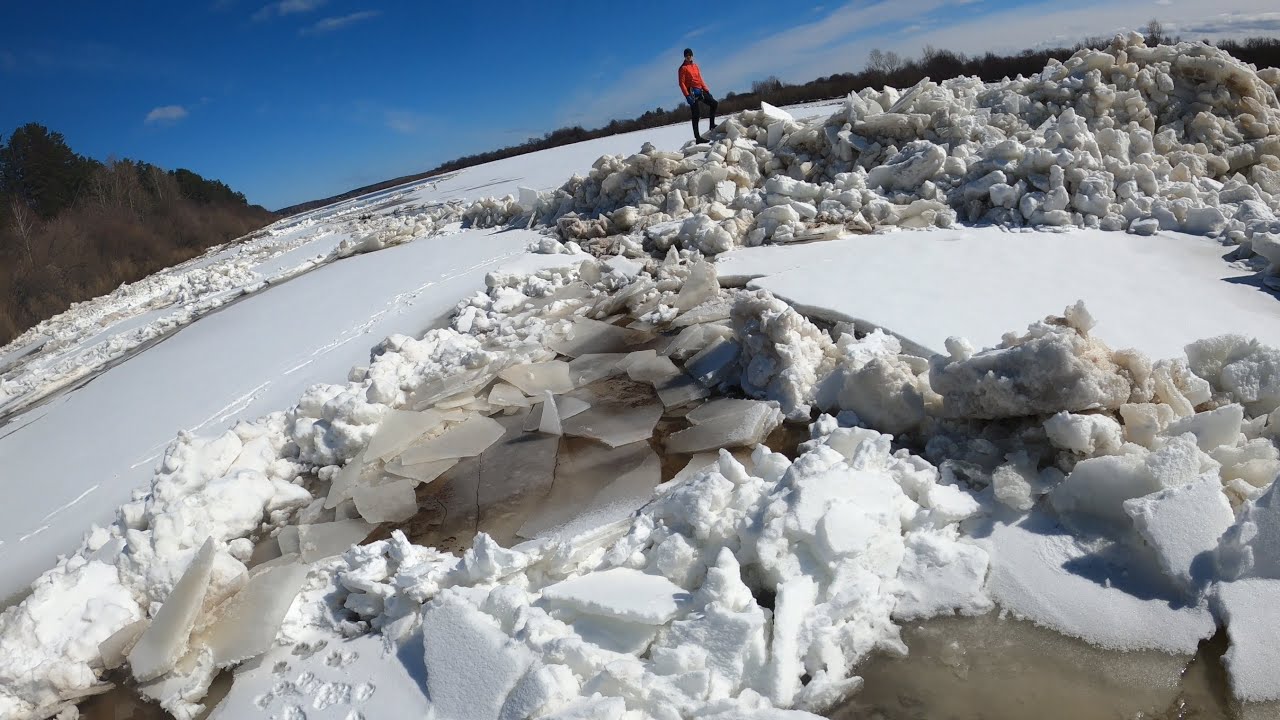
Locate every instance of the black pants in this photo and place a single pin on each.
(697, 113)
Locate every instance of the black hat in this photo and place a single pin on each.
(688, 52)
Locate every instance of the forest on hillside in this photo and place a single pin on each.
(73, 228)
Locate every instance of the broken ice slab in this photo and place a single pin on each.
(680, 390)
(448, 513)
(533, 378)
(700, 286)
(288, 540)
(650, 367)
(465, 439)
(246, 624)
(713, 310)
(722, 406)
(322, 540)
(506, 395)
(691, 340)
(594, 486)
(515, 474)
(399, 429)
(567, 406)
(420, 472)
(673, 386)
(345, 481)
(437, 389)
(393, 501)
(586, 369)
(456, 401)
(611, 304)
(165, 640)
(715, 363)
(549, 423)
(589, 337)
(117, 645)
(622, 412)
(743, 428)
(620, 593)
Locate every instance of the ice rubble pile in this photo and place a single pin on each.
(1165, 464)
(1173, 137)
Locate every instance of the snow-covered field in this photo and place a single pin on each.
(564, 418)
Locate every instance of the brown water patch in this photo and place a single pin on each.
(989, 668)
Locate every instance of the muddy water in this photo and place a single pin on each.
(989, 668)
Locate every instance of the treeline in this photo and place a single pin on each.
(884, 68)
(73, 228)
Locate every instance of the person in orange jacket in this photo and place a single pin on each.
(695, 91)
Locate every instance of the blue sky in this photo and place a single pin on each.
(295, 100)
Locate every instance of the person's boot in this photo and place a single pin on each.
(700, 139)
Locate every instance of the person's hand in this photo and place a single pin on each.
(690, 99)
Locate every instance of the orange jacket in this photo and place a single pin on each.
(690, 77)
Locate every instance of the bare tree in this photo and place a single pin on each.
(768, 85)
(24, 223)
(1155, 33)
(883, 62)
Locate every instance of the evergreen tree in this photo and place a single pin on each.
(38, 168)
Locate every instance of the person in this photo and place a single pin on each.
(695, 91)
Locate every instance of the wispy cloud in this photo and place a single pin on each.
(403, 121)
(655, 81)
(287, 7)
(165, 115)
(331, 24)
(1230, 24)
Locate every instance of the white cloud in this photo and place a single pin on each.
(165, 115)
(287, 7)
(336, 23)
